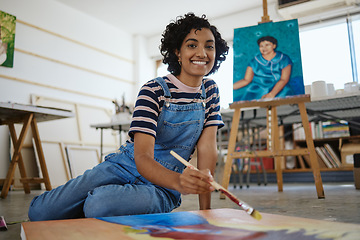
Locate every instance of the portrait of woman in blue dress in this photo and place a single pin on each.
(267, 61)
(268, 72)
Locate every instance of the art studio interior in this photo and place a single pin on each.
(71, 77)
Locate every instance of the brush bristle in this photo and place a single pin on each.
(255, 214)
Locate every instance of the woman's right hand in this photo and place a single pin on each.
(193, 181)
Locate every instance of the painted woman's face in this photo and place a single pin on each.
(266, 47)
(197, 53)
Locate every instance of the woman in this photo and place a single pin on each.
(178, 112)
(268, 73)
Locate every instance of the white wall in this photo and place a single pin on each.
(64, 54)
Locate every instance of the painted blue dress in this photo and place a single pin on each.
(266, 75)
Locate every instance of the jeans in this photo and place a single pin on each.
(109, 189)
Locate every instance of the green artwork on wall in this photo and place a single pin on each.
(7, 39)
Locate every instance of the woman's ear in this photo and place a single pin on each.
(177, 53)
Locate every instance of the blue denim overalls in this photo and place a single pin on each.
(114, 187)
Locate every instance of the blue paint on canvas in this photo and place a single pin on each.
(161, 219)
(246, 47)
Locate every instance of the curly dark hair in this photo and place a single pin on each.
(175, 33)
(267, 38)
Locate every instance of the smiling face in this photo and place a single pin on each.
(267, 47)
(197, 56)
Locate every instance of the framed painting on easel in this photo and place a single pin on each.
(267, 61)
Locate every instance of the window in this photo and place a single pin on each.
(356, 32)
(325, 53)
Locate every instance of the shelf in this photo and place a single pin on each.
(306, 170)
(331, 139)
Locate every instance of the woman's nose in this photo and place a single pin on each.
(201, 52)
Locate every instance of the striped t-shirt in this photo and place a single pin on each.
(151, 99)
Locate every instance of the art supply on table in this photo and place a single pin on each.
(351, 87)
(319, 89)
(251, 211)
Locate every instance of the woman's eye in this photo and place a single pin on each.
(192, 46)
(210, 47)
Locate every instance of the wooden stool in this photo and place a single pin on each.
(273, 142)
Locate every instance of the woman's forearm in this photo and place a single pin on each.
(206, 160)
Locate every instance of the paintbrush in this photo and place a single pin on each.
(249, 210)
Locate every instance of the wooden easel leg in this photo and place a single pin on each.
(311, 149)
(20, 159)
(40, 152)
(231, 149)
(14, 159)
(276, 146)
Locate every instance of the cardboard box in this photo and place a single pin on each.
(347, 153)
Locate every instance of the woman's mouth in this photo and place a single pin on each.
(199, 62)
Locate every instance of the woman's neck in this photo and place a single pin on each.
(181, 86)
(191, 81)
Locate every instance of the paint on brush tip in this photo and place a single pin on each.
(252, 212)
(232, 198)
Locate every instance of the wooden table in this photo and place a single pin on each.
(12, 113)
(206, 224)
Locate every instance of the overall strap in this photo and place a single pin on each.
(203, 92)
(164, 86)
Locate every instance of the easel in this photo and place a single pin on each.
(265, 18)
(274, 148)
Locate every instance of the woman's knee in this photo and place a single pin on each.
(34, 214)
(38, 211)
(118, 200)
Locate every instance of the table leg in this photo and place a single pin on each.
(40, 152)
(20, 161)
(120, 130)
(16, 154)
(101, 144)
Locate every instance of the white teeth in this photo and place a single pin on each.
(199, 62)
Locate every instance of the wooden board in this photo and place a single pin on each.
(206, 224)
(81, 159)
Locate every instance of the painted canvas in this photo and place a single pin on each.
(7, 39)
(215, 224)
(267, 61)
(229, 224)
